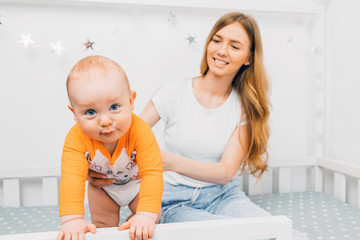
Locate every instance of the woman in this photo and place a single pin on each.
(215, 124)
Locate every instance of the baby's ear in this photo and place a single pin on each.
(70, 107)
(132, 99)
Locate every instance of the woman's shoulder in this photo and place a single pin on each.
(176, 84)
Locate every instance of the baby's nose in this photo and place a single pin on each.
(105, 121)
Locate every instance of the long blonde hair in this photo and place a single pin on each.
(252, 86)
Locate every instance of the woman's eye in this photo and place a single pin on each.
(235, 47)
(216, 41)
(114, 107)
(90, 112)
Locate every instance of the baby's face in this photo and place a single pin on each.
(102, 104)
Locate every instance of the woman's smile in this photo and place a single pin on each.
(219, 61)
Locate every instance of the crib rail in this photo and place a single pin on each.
(277, 180)
(279, 174)
(279, 227)
(341, 172)
(11, 177)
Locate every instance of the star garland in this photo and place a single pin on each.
(57, 48)
(191, 39)
(317, 50)
(172, 17)
(88, 45)
(26, 40)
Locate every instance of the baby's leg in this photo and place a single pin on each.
(133, 205)
(104, 211)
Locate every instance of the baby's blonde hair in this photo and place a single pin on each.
(91, 63)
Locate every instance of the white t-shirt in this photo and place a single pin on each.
(191, 130)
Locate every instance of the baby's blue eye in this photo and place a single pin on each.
(90, 112)
(114, 107)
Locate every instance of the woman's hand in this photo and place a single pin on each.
(98, 179)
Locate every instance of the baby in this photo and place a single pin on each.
(108, 138)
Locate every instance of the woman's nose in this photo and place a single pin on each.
(222, 50)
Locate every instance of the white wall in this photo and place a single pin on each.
(342, 50)
(152, 50)
(343, 81)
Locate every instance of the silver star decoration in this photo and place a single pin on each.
(138, 13)
(172, 17)
(317, 51)
(26, 40)
(191, 39)
(88, 45)
(57, 48)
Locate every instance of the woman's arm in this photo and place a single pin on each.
(98, 179)
(150, 115)
(215, 172)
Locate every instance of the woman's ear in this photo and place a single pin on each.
(70, 107)
(132, 99)
(248, 60)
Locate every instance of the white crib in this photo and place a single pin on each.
(327, 177)
(278, 227)
(319, 173)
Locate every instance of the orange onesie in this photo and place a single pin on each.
(136, 150)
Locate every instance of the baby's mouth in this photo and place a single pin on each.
(107, 133)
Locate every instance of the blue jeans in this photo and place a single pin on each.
(182, 204)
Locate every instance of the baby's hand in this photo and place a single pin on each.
(141, 225)
(75, 230)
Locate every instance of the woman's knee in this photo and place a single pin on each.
(186, 214)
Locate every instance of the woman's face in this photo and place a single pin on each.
(228, 50)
